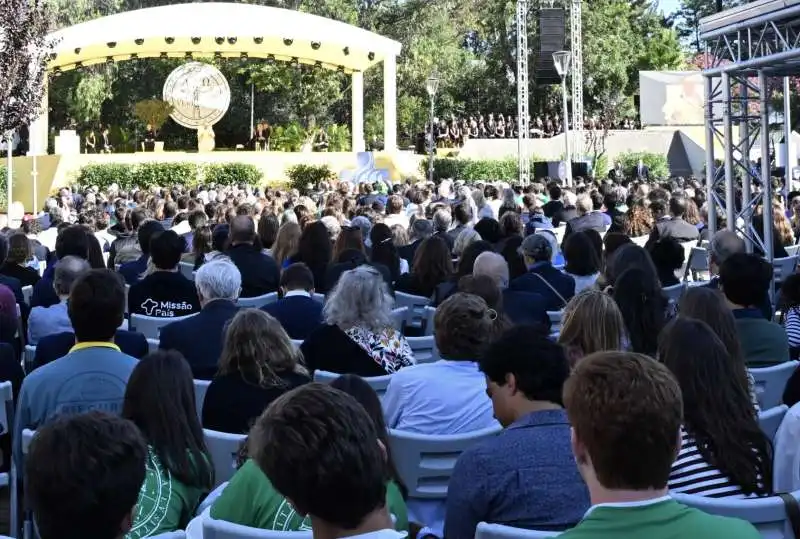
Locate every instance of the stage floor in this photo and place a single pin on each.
(55, 171)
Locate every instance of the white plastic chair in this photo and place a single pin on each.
(180, 534)
(559, 233)
(430, 314)
(127, 291)
(768, 515)
(27, 292)
(424, 349)
(152, 345)
(771, 381)
(498, 531)
(297, 343)
(187, 270)
(399, 318)
(28, 358)
(220, 529)
(696, 263)
(223, 448)
(258, 301)
(377, 383)
(319, 297)
(673, 293)
(200, 388)
(415, 317)
(150, 326)
(793, 250)
(770, 420)
(9, 479)
(640, 240)
(27, 523)
(555, 320)
(783, 268)
(425, 462)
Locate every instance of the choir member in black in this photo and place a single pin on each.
(321, 141)
(267, 133)
(500, 127)
(442, 134)
(491, 126)
(107, 147)
(454, 133)
(90, 143)
(149, 139)
(474, 131)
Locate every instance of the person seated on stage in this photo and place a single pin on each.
(44, 321)
(90, 144)
(321, 140)
(149, 139)
(107, 147)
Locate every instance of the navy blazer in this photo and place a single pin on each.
(525, 308)
(675, 228)
(200, 337)
(590, 221)
(260, 272)
(299, 315)
(56, 346)
(563, 283)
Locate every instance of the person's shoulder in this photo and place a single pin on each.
(706, 525)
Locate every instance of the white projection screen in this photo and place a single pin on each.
(671, 98)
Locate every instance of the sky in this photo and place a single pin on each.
(668, 6)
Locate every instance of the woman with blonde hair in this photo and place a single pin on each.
(591, 322)
(464, 239)
(286, 242)
(259, 363)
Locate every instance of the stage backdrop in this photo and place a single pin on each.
(671, 98)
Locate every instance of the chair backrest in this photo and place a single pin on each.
(187, 270)
(28, 358)
(200, 388)
(150, 326)
(223, 448)
(319, 297)
(498, 531)
(770, 420)
(559, 233)
(6, 407)
(258, 301)
(377, 383)
(768, 515)
(399, 316)
(793, 250)
(430, 314)
(698, 260)
(783, 267)
(555, 319)
(425, 462)
(297, 343)
(127, 291)
(424, 349)
(673, 293)
(180, 534)
(152, 345)
(640, 240)
(27, 438)
(771, 381)
(220, 529)
(415, 317)
(27, 292)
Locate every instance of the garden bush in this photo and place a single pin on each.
(656, 162)
(232, 174)
(146, 175)
(473, 170)
(301, 176)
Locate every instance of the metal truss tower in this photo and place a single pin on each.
(523, 129)
(576, 44)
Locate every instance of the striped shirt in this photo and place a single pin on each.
(691, 474)
(792, 325)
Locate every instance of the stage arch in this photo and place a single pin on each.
(212, 29)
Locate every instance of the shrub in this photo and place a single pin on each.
(656, 162)
(473, 170)
(339, 138)
(103, 176)
(301, 176)
(3, 186)
(163, 174)
(233, 174)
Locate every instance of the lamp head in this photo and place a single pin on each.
(432, 83)
(562, 61)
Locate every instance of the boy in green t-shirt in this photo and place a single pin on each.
(626, 412)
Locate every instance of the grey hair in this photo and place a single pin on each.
(724, 244)
(479, 198)
(68, 270)
(584, 203)
(492, 265)
(442, 220)
(218, 279)
(360, 298)
(464, 239)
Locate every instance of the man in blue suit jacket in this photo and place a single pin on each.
(72, 241)
(542, 278)
(57, 345)
(297, 311)
(200, 338)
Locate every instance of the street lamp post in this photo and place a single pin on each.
(432, 86)
(562, 60)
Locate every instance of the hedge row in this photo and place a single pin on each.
(146, 175)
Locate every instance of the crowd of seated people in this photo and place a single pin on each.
(554, 332)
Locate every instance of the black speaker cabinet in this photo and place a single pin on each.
(552, 38)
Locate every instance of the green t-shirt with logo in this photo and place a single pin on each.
(165, 504)
(666, 519)
(251, 500)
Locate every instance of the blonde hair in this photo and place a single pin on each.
(592, 322)
(257, 347)
(286, 242)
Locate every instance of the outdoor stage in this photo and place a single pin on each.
(55, 171)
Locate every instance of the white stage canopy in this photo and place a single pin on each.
(216, 29)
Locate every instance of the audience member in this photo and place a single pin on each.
(286, 242)
(419, 231)
(643, 309)
(432, 266)
(199, 338)
(132, 271)
(358, 336)
(259, 272)
(384, 251)
(159, 399)
(591, 322)
(319, 449)
(315, 250)
(587, 218)
(626, 414)
(672, 225)
(790, 307)
(44, 321)
(94, 373)
(18, 264)
(520, 307)
(582, 261)
(258, 364)
(164, 292)
(83, 476)
(744, 279)
(724, 452)
(668, 257)
(526, 476)
(297, 311)
(71, 241)
(542, 278)
(126, 247)
(465, 265)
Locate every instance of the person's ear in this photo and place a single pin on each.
(384, 451)
(578, 449)
(511, 383)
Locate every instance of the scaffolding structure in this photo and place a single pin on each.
(523, 116)
(576, 46)
(747, 50)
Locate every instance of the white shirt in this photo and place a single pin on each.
(48, 238)
(396, 219)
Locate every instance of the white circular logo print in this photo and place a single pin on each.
(198, 93)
